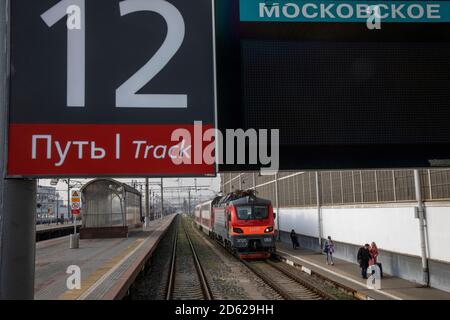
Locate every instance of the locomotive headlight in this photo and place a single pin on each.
(238, 230)
(268, 229)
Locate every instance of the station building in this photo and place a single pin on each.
(46, 203)
(358, 207)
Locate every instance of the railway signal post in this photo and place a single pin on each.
(75, 206)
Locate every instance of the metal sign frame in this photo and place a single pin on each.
(168, 120)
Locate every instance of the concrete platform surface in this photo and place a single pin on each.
(106, 265)
(348, 275)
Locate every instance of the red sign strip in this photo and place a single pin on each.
(113, 150)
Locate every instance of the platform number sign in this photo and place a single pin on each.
(93, 83)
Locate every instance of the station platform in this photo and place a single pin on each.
(54, 226)
(347, 276)
(108, 266)
(50, 231)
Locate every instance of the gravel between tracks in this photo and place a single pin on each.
(228, 278)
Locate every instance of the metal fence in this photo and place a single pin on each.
(298, 189)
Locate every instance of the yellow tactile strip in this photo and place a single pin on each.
(100, 272)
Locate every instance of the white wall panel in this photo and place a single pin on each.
(393, 229)
(303, 221)
(438, 219)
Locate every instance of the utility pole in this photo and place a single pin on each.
(162, 198)
(147, 204)
(179, 196)
(153, 205)
(189, 202)
(57, 208)
(422, 231)
(17, 198)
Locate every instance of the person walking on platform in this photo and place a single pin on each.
(329, 250)
(294, 239)
(373, 250)
(363, 259)
(373, 254)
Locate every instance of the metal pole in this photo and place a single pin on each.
(319, 210)
(422, 224)
(376, 186)
(153, 205)
(74, 224)
(68, 198)
(254, 181)
(18, 235)
(73, 239)
(393, 186)
(189, 202)
(17, 199)
(57, 208)
(162, 198)
(147, 204)
(277, 200)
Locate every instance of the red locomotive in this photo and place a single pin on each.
(241, 222)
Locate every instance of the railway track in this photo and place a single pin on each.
(290, 285)
(187, 280)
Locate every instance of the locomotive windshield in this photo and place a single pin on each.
(252, 212)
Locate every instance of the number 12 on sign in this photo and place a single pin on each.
(126, 94)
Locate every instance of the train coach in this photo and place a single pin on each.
(241, 222)
(204, 216)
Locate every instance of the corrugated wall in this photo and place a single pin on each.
(298, 189)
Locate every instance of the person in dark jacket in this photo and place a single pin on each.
(294, 239)
(363, 259)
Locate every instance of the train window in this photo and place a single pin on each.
(244, 213)
(260, 212)
(252, 212)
